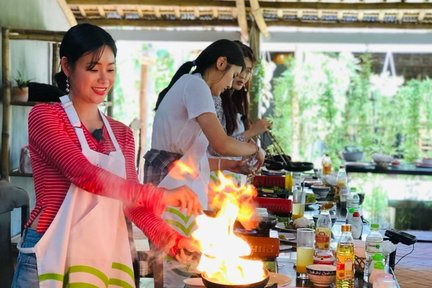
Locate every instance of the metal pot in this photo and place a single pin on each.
(260, 284)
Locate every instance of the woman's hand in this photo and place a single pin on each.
(236, 166)
(188, 251)
(259, 127)
(184, 198)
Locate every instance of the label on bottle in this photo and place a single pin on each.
(349, 267)
(322, 238)
(373, 247)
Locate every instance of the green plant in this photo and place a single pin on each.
(21, 81)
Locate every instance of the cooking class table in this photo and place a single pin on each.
(287, 258)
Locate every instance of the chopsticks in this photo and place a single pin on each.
(278, 148)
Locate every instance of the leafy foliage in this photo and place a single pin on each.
(326, 101)
(21, 81)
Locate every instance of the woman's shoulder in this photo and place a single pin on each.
(195, 78)
(46, 109)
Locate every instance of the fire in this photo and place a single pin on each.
(223, 253)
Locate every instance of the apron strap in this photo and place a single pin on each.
(110, 132)
(74, 120)
(70, 111)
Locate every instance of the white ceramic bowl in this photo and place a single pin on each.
(382, 160)
(321, 275)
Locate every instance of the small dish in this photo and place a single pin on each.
(321, 191)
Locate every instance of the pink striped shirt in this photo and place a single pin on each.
(57, 162)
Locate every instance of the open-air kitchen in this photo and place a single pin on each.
(212, 144)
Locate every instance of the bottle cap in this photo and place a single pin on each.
(351, 210)
(375, 226)
(356, 214)
(346, 228)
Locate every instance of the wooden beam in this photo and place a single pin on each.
(180, 3)
(381, 6)
(161, 23)
(234, 23)
(68, 12)
(263, 4)
(411, 26)
(259, 18)
(42, 35)
(242, 21)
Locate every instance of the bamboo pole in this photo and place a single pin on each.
(6, 104)
(242, 21)
(142, 115)
(255, 40)
(41, 35)
(55, 61)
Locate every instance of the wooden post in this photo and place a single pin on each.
(295, 109)
(6, 104)
(255, 39)
(110, 103)
(55, 61)
(142, 115)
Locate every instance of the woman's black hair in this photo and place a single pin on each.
(82, 39)
(236, 101)
(207, 58)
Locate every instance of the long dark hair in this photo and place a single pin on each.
(236, 101)
(207, 58)
(83, 39)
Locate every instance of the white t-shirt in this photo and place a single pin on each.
(175, 126)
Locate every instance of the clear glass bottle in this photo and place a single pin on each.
(377, 267)
(373, 245)
(353, 201)
(342, 189)
(345, 259)
(323, 232)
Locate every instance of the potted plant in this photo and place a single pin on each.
(20, 91)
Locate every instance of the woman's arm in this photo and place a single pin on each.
(53, 138)
(220, 141)
(236, 166)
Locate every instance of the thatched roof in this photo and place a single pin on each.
(412, 14)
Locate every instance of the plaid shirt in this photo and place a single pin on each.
(158, 164)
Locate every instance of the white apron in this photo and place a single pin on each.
(196, 157)
(87, 242)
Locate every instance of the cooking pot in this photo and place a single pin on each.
(260, 284)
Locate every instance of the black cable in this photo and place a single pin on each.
(405, 255)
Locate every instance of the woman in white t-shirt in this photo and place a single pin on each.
(184, 125)
(232, 110)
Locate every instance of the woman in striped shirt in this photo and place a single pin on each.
(86, 182)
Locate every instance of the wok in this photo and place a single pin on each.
(210, 284)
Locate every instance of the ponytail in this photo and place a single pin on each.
(60, 80)
(206, 59)
(184, 69)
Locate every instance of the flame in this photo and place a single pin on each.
(223, 253)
